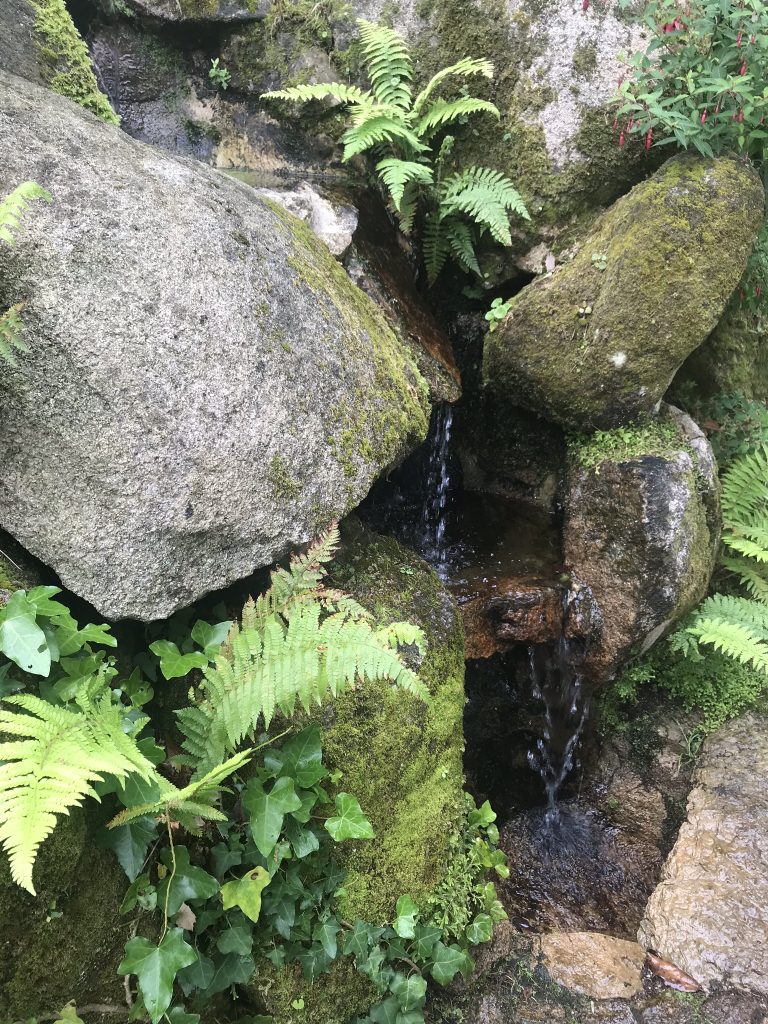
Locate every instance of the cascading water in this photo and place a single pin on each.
(557, 682)
(435, 511)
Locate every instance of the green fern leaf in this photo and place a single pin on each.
(751, 576)
(462, 244)
(485, 196)
(396, 174)
(375, 129)
(435, 245)
(465, 68)
(733, 639)
(52, 766)
(349, 94)
(409, 206)
(443, 113)
(11, 328)
(388, 63)
(13, 206)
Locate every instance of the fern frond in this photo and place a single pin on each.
(745, 488)
(396, 174)
(409, 207)
(15, 203)
(435, 246)
(323, 90)
(375, 129)
(388, 63)
(444, 112)
(738, 610)
(733, 639)
(52, 766)
(462, 244)
(11, 328)
(752, 577)
(485, 196)
(465, 68)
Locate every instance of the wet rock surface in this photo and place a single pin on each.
(708, 913)
(642, 535)
(205, 387)
(594, 965)
(591, 348)
(333, 221)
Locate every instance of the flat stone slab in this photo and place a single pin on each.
(592, 964)
(709, 914)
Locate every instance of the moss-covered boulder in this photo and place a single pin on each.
(596, 343)
(66, 942)
(734, 358)
(641, 531)
(205, 387)
(400, 757)
(39, 42)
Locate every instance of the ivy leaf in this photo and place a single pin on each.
(325, 933)
(236, 939)
(282, 913)
(188, 882)
(21, 639)
(409, 990)
(449, 961)
(313, 962)
(303, 840)
(386, 1012)
(245, 893)
(68, 1013)
(405, 922)
(360, 939)
(267, 810)
(479, 930)
(300, 758)
(350, 823)
(174, 664)
(224, 858)
(130, 843)
(230, 970)
(156, 967)
(426, 936)
(198, 975)
(140, 893)
(178, 1015)
(209, 637)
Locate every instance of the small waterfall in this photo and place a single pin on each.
(435, 513)
(557, 682)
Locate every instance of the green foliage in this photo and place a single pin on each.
(753, 289)
(735, 425)
(625, 443)
(702, 80)
(12, 209)
(455, 209)
(298, 641)
(497, 312)
(220, 76)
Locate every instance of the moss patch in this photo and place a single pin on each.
(65, 63)
(625, 443)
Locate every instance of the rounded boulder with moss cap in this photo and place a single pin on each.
(205, 387)
(641, 531)
(595, 344)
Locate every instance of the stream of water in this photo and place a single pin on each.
(435, 512)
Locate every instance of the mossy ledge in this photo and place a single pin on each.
(64, 61)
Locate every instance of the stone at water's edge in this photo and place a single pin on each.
(708, 915)
(401, 758)
(642, 534)
(591, 348)
(593, 964)
(205, 387)
(333, 222)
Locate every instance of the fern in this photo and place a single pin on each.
(11, 328)
(12, 208)
(300, 643)
(52, 765)
(401, 133)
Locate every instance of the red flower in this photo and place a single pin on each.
(648, 138)
(741, 116)
(585, 5)
(704, 117)
(621, 139)
(743, 68)
(738, 39)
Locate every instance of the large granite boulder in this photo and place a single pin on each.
(205, 386)
(596, 343)
(641, 532)
(708, 914)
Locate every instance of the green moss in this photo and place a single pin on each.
(733, 360)
(625, 444)
(280, 480)
(335, 998)
(401, 414)
(67, 940)
(400, 757)
(584, 59)
(65, 63)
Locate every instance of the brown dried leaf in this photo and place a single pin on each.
(671, 974)
(186, 917)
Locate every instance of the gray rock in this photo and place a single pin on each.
(333, 222)
(203, 10)
(641, 531)
(18, 50)
(596, 343)
(592, 964)
(708, 914)
(206, 388)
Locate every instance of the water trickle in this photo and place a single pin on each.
(435, 511)
(556, 682)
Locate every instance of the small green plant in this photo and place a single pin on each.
(735, 425)
(220, 76)
(12, 209)
(600, 261)
(455, 209)
(701, 81)
(497, 312)
(624, 443)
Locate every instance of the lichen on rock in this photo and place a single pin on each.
(596, 344)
